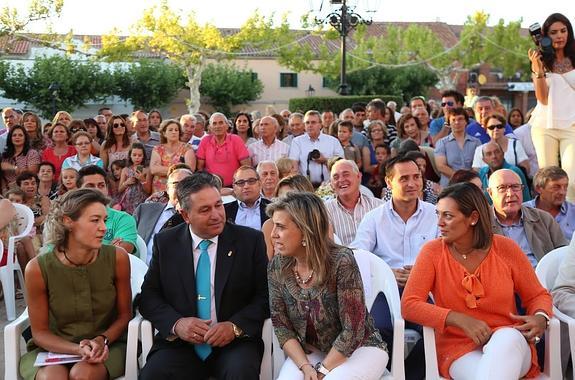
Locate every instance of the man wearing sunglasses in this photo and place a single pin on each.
(439, 127)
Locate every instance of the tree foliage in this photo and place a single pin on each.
(149, 84)
(225, 85)
(189, 44)
(78, 82)
(12, 21)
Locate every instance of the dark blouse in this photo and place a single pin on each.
(337, 309)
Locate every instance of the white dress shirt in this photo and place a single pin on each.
(212, 253)
(169, 210)
(302, 145)
(398, 243)
(259, 151)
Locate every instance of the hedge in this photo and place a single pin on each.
(336, 103)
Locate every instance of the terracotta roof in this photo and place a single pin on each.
(13, 46)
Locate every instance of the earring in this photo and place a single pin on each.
(303, 243)
(473, 223)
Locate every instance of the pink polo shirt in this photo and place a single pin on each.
(223, 159)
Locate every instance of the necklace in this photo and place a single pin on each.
(562, 67)
(462, 254)
(75, 264)
(299, 279)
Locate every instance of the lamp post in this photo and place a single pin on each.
(310, 91)
(343, 20)
(53, 88)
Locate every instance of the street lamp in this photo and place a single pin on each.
(310, 91)
(343, 20)
(53, 88)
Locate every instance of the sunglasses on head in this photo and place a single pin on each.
(449, 103)
(498, 126)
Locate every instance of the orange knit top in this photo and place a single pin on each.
(487, 294)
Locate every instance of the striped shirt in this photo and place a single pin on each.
(345, 222)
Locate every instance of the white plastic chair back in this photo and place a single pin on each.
(142, 249)
(548, 267)
(138, 270)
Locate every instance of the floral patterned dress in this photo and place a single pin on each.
(168, 159)
(133, 195)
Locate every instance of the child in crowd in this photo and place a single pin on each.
(25, 250)
(344, 133)
(68, 179)
(114, 182)
(135, 179)
(376, 182)
(286, 167)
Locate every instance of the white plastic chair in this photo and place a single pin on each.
(25, 223)
(266, 369)
(377, 278)
(142, 249)
(13, 331)
(547, 271)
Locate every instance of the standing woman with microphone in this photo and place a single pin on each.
(553, 118)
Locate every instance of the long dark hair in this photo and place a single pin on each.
(10, 150)
(234, 129)
(110, 138)
(569, 45)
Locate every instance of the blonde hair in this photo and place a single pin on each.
(308, 212)
(72, 204)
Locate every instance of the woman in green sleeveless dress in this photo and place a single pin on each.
(79, 293)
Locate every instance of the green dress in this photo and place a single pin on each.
(82, 305)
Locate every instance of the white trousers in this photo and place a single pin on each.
(366, 363)
(506, 356)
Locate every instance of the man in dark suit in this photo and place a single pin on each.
(152, 218)
(250, 208)
(205, 292)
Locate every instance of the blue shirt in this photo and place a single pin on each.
(436, 125)
(565, 217)
(476, 130)
(456, 157)
(359, 140)
(517, 233)
(484, 176)
(75, 163)
(249, 216)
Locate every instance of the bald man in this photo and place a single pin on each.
(268, 148)
(534, 230)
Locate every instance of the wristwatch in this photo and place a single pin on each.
(319, 367)
(237, 331)
(106, 340)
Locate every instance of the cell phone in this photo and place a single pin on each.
(140, 168)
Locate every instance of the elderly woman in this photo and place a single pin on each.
(410, 127)
(79, 293)
(316, 298)
(512, 148)
(170, 151)
(475, 314)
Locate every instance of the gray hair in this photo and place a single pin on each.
(261, 163)
(483, 99)
(193, 184)
(549, 173)
(71, 204)
(218, 114)
(351, 163)
(490, 143)
(200, 119)
(187, 116)
(294, 115)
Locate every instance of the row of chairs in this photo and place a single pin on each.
(377, 277)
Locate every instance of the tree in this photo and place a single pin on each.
(12, 21)
(406, 82)
(226, 85)
(149, 84)
(189, 44)
(78, 82)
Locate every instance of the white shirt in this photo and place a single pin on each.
(385, 234)
(212, 253)
(195, 141)
(164, 216)
(259, 151)
(514, 149)
(302, 145)
(523, 133)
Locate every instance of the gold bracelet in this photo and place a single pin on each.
(539, 75)
(301, 366)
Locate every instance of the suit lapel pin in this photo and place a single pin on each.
(230, 253)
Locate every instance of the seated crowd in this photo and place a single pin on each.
(271, 209)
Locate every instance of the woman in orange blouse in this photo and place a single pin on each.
(474, 276)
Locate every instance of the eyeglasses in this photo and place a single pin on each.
(83, 143)
(249, 181)
(119, 125)
(515, 188)
(449, 103)
(498, 126)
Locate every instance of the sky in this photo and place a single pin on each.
(101, 16)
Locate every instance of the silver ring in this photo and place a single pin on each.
(537, 339)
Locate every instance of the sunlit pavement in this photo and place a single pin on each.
(20, 306)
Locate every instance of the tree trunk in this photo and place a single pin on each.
(194, 80)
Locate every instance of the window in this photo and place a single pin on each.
(288, 80)
(254, 76)
(329, 82)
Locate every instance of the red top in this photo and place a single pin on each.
(48, 155)
(223, 159)
(488, 295)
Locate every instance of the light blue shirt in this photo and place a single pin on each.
(169, 210)
(384, 233)
(249, 216)
(565, 217)
(456, 157)
(517, 233)
(75, 163)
